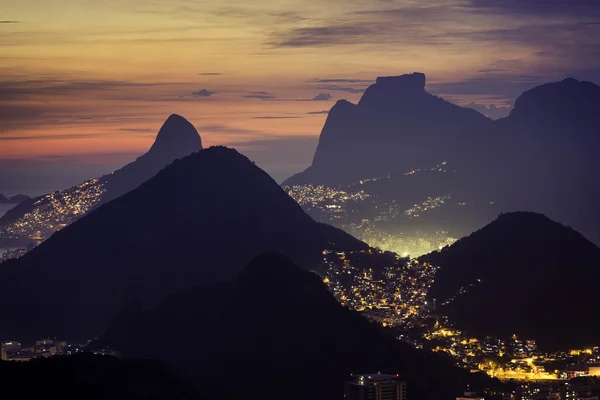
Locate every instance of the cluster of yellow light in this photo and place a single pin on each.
(56, 210)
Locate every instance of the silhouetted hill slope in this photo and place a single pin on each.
(542, 157)
(19, 198)
(275, 332)
(177, 138)
(199, 220)
(88, 376)
(395, 127)
(538, 280)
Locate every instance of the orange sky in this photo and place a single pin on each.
(84, 78)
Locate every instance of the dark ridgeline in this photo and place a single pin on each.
(538, 280)
(19, 198)
(177, 138)
(200, 220)
(88, 376)
(542, 157)
(275, 332)
(395, 127)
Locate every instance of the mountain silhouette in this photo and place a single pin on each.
(525, 274)
(199, 220)
(278, 330)
(395, 127)
(177, 138)
(541, 157)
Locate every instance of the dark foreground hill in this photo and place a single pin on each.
(276, 332)
(200, 220)
(94, 377)
(523, 274)
(176, 138)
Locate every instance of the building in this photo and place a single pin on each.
(375, 387)
(578, 370)
(3, 353)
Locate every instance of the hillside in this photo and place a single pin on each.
(523, 274)
(274, 332)
(200, 220)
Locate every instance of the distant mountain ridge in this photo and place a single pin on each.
(541, 157)
(198, 221)
(525, 274)
(176, 138)
(19, 198)
(276, 323)
(395, 127)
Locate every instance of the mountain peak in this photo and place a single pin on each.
(414, 81)
(554, 102)
(177, 134)
(389, 90)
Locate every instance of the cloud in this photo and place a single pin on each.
(491, 70)
(137, 130)
(540, 8)
(490, 111)
(341, 80)
(210, 73)
(261, 96)
(329, 35)
(322, 97)
(203, 93)
(349, 89)
(10, 22)
(318, 112)
(220, 128)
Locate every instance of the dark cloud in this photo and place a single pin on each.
(210, 73)
(543, 8)
(10, 22)
(322, 97)
(203, 93)
(220, 128)
(349, 89)
(318, 112)
(490, 111)
(331, 35)
(261, 96)
(341, 80)
(504, 86)
(491, 70)
(138, 130)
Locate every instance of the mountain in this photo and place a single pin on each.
(525, 274)
(46, 214)
(200, 220)
(89, 376)
(395, 127)
(275, 332)
(19, 198)
(3, 199)
(541, 157)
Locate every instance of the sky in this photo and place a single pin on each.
(86, 84)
